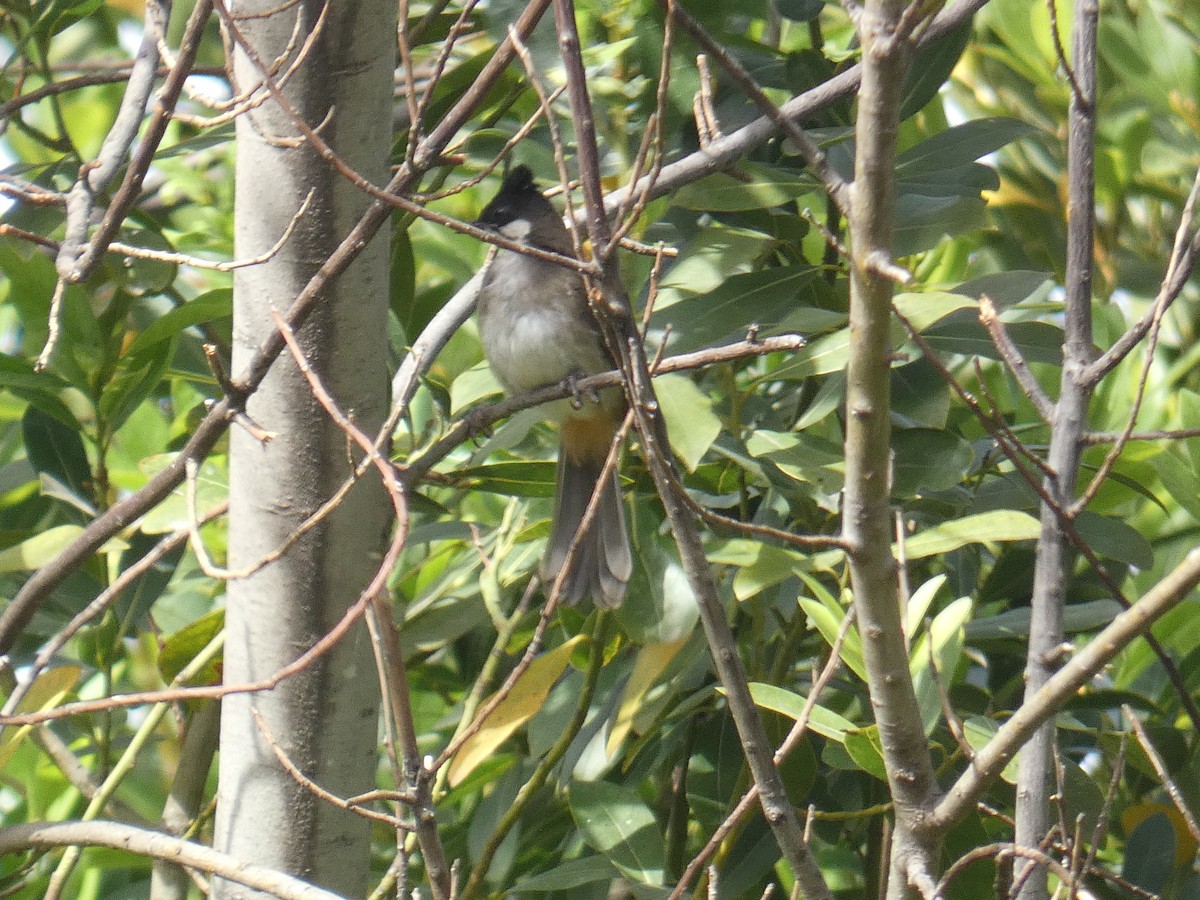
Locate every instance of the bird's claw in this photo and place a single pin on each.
(578, 395)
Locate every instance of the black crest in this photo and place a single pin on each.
(518, 198)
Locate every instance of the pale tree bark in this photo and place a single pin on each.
(1068, 422)
(866, 513)
(324, 719)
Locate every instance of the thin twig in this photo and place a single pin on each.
(834, 183)
(1012, 356)
(1163, 773)
(799, 728)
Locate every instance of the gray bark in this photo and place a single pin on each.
(325, 719)
(1054, 556)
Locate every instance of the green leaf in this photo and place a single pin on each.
(757, 187)
(726, 314)
(918, 603)
(135, 601)
(472, 386)
(922, 310)
(769, 566)
(147, 276)
(660, 607)
(960, 145)
(56, 450)
(402, 287)
(930, 69)
(513, 479)
(823, 721)
(41, 389)
(179, 649)
(1115, 539)
(1014, 623)
(928, 460)
(212, 489)
(570, 875)
(1006, 289)
(978, 730)
(923, 220)
(208, 307)
(691, 422)
(34, 552)
(1038, 341)
(920, 395)
(945, 634)
(614, 821)
(1150, 854)
(983, 528)
(866, 749)
(137, 376)
(800, 10)
(826, 614)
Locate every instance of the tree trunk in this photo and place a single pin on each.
(324, 719)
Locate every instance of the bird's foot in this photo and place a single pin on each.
(578, 395)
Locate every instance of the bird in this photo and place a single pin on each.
(537, 329)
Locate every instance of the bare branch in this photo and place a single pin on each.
(837, 187)
(1061, 686)
(1160, 769)
(155, 844)
(1179, 269)
(1012, 356)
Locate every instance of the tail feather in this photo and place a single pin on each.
(604, 561)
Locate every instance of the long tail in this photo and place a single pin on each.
(604, 561)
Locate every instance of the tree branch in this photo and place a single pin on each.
(1068, 422)
(144, 842)
(990, 761)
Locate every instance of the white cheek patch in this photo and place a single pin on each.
(516, 230)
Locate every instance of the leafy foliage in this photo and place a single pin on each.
(654, 766)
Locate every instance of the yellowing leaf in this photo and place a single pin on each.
(650, 663)
(45, 693)
(526, 698)
(1185, 844)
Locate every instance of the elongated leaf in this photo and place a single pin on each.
(208, 307)
(526, 698)
(726, 313)
(180, 648)
(614, 820)
(960, 144)
(45, 693)
(514, 479)
(997, 525)
(978, 731)
(1014, 623)
(57, 451)
(34, 552)
(945, 635)
(928, 460)
(572, 874)
(691, 422)
(826, 616)
(761, 187)
(866, 749)
(823, 721)
(924, 310)
(650, 663)
(919, 602)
